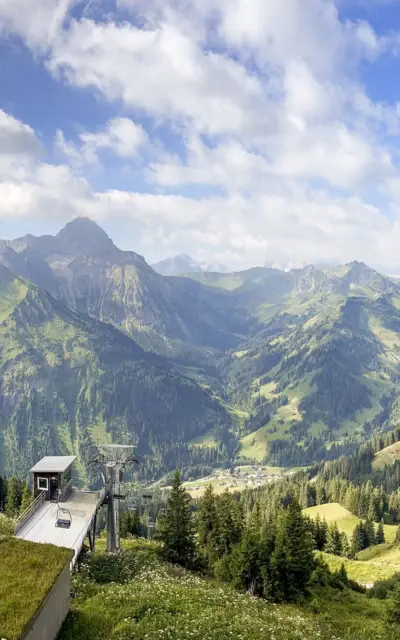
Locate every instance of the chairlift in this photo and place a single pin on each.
(64, 518)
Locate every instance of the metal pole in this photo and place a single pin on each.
(111, 541)
(116, 506)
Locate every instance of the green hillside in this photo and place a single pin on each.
(317, 377)
(159, 600)
(298, 366)
(67, 381)
(388, 455)
(346, 522)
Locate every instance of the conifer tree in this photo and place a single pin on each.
(26, 498)
(334, 540)
(229, 523)
(320, 531)
(12, 500)
(380, 534)
(369, 534)
(357, 539)
(292, 561)
(346, 549)
(176, 528)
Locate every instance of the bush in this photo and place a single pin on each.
(106, 568)
(6, 526)
(382, 588)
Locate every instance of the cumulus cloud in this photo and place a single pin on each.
(122, 136)
(262, 103)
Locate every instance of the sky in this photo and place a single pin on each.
(244, 132)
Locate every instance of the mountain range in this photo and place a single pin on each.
(183, 264)
(289, 367)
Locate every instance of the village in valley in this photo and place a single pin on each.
(236, 479)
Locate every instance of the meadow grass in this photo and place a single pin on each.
(152, 600)
(346, 522)
(27, 573)
(386, 456)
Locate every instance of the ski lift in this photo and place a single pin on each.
(64, 518)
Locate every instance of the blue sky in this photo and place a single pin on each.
(242, 132)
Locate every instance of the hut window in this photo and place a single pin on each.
(43, 484)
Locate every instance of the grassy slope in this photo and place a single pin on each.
(375, 563)
(387, 456)
(27, 573)
(345, 520)
(323, 311)
(162, 601)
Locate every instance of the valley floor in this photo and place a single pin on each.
(136, 597)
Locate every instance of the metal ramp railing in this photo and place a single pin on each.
(33, 507)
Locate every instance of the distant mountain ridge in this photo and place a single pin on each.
(83, 268)
(295, 365)
(183, 264)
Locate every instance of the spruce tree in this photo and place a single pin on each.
(12, 500)
(334, 540)
(176, 528)
(369, 534)
(207, 524)
(357, 539)
(26, 498)
(346, 549)
(380, 534)
(320, 531)
(229, 523)
(292, 561)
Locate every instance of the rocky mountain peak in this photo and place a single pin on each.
(84, 236)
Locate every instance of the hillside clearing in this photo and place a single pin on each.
(346, 522)
(387, 456)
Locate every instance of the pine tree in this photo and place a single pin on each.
(229, 523)
(207, 523)
(373, 514)
(346, 549)
(369, 534)
(176, 529)
(12, 500)
(292, 561)
(357, 539)
(380, 534)
(320, 531)
(26, 498)
(334, 540)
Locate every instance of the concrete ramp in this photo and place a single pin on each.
(41, 526)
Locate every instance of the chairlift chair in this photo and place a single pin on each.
(64, 518)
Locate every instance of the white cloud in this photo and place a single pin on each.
(120, 135)
(260, 99)
(36, 21)
(16, 138)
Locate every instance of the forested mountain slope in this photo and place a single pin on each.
(326, 374)
(310, 356)
(68, 380)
